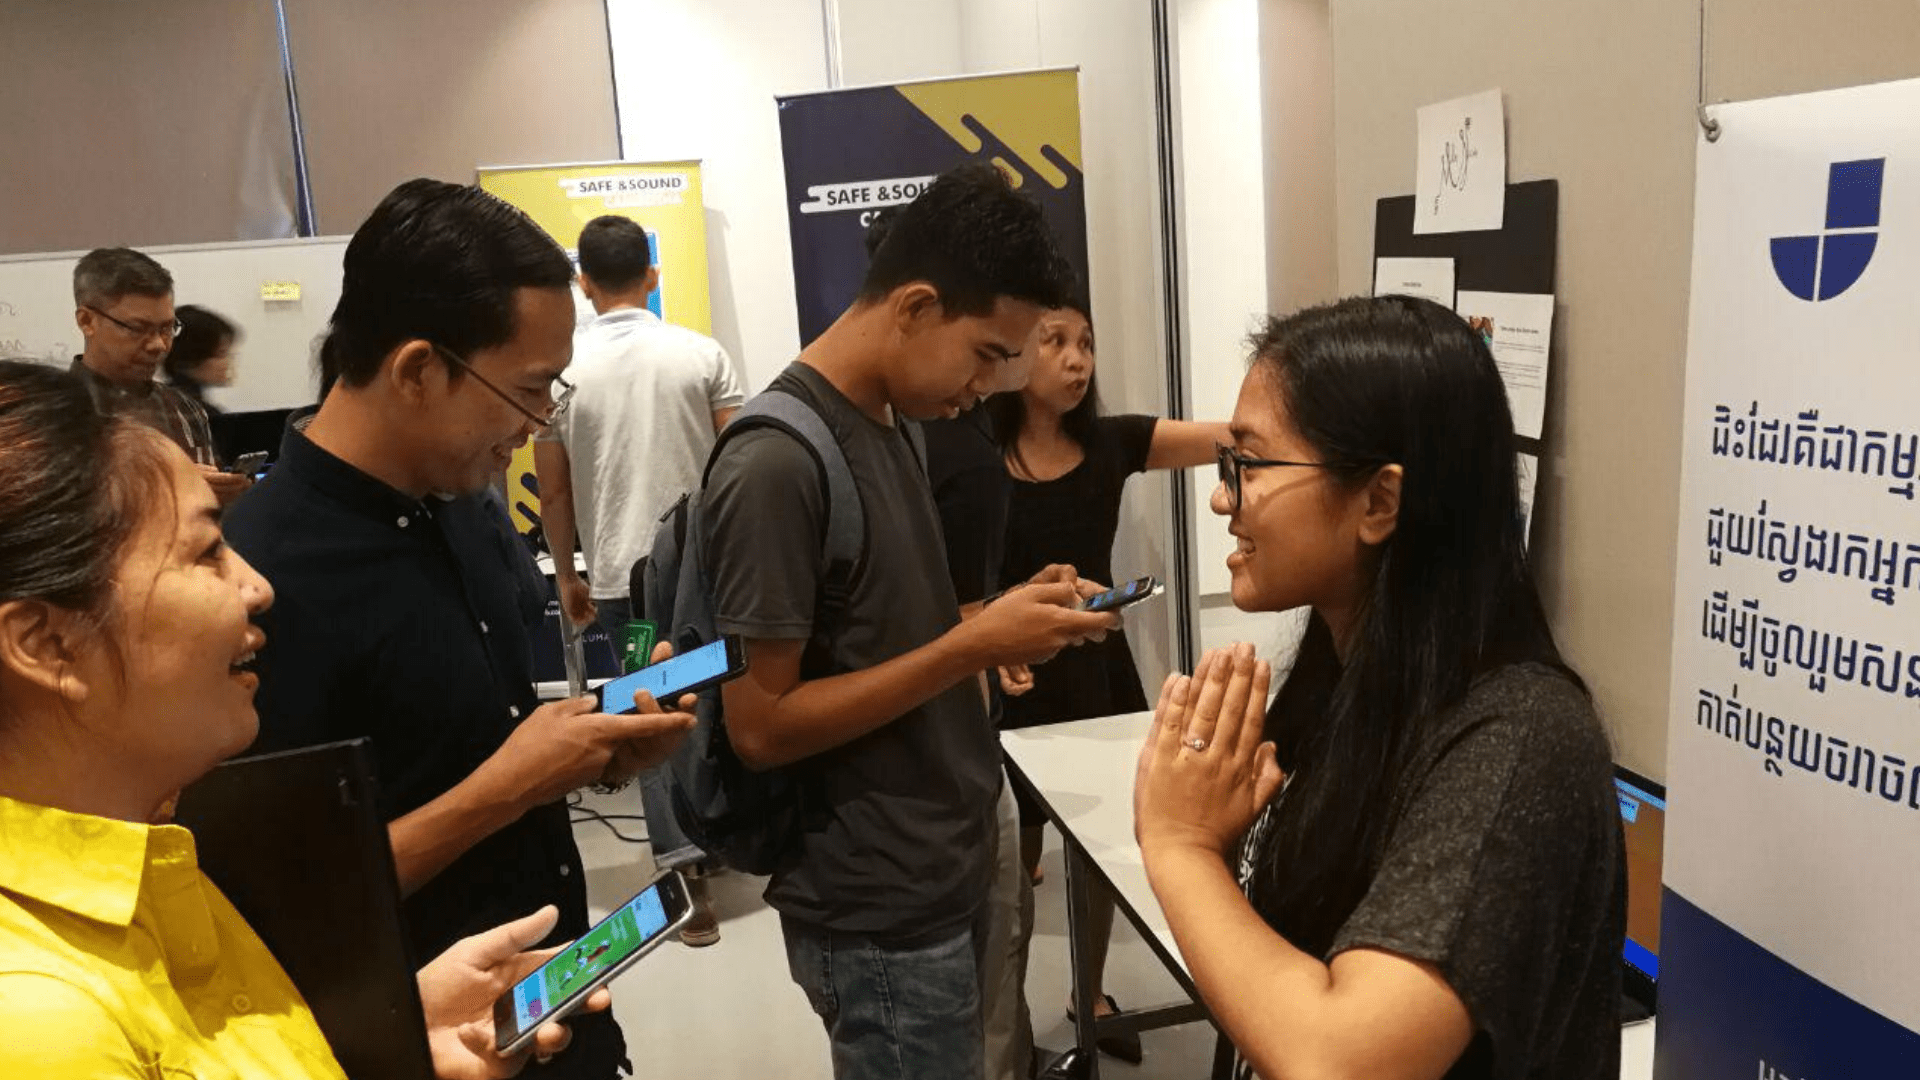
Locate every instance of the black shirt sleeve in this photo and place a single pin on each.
(1501, 870)
(1124, 441)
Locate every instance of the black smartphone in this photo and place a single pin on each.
(559, 986)
(249, 463)
(690, 672)
(1132, 592)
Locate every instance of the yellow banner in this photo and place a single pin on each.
(664, 198)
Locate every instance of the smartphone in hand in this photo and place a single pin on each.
(557, 988)
(249, 463)
(1140, 588)
(688, 673)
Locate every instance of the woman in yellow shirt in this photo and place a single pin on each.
(125, 632)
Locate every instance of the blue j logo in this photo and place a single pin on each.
(1835, 259)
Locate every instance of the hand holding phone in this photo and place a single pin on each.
(249, 463)
(561, 985)
(459, 987)
(689, 673)
(1140, 588)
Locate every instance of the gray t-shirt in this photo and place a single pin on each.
(1505, 868)
(896, 841)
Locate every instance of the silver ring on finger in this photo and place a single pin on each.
(1196, 745)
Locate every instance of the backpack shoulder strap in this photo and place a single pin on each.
(846, 528)
(916, 437)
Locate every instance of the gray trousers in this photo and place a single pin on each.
(1003, 966)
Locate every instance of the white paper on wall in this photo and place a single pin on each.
(1461, 180)
(1429, 279)
(1518, 327)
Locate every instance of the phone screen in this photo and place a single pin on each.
(614, 939)
(667, 679)
(1137, 589)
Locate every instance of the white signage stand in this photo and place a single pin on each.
(1790, 938)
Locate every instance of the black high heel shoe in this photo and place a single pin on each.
(1124, 1046)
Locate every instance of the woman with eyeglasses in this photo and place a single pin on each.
(1411, 865)
(126, 634)
(1070, 466)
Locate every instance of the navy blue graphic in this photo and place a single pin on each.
(872, 134)
(1833, 261)
(1730, 1008)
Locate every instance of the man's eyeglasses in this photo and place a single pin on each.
(141, 331)
(1232, 463)
(554, 408)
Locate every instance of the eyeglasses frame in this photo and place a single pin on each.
(554, 413)
(141, 333)
(1231, 463)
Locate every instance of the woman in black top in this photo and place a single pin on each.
(1070, 466)
(1430, 868)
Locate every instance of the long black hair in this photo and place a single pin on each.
(1008, 409)
(1390, 380)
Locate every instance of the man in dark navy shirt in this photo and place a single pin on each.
(396, 616)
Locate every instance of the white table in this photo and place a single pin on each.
(1083, 773)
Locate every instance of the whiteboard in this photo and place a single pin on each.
(273, 365)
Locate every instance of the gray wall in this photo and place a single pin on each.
(390, 91)
(141, 124)
(1600, 95)
(166, 123)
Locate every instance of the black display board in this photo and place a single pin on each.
(294, 841)
(1519, 257)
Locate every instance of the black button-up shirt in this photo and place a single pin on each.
(396, 620)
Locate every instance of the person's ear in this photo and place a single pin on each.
(653, 279)
(412, 367)
(41, 644)
(87, 321)
(1380, 511)
(914, 304)
(588, 289)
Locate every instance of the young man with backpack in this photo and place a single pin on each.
(864, 694)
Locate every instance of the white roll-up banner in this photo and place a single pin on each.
(1790, 923)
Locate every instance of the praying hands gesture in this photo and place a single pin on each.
(1205, 773)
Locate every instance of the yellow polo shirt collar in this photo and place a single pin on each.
(88, 865)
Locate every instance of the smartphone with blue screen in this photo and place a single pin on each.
(689, 673)
(1114, 599)
(560, 986)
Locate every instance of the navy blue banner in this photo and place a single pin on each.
(850, 153)
(1729, 1008)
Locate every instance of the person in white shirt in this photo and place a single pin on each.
(648, 400)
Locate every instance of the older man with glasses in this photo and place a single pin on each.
(123, 304)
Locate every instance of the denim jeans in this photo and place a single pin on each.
(892, 1012)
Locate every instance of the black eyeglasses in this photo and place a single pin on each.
(1232, 463)
(142, 331)
(554, 410)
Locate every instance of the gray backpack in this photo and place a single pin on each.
(751, 819)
